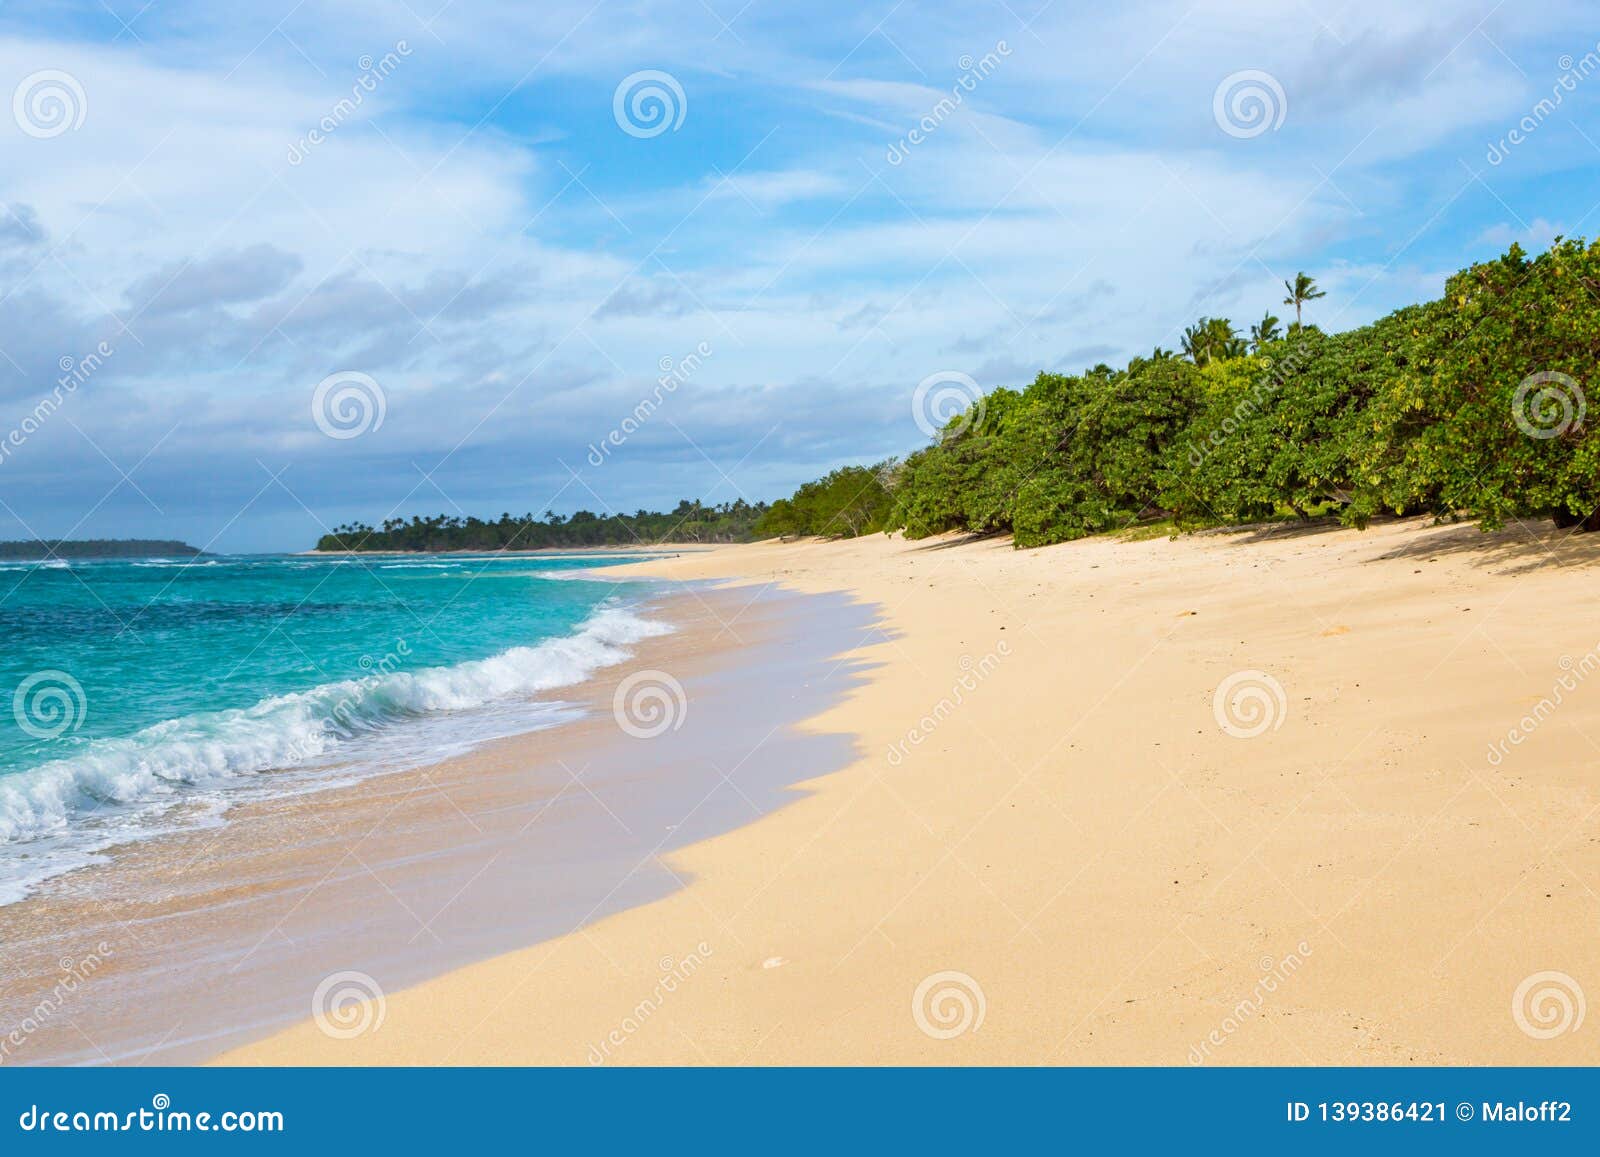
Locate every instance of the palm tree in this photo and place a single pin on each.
(1301, 290)
(1264, 331)
(1196, 343)
(1211, 339)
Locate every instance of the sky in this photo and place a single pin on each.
(309, 262)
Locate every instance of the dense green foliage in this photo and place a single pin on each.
(851, 501)
(689, 522)
(1469, 406)
(99, 548)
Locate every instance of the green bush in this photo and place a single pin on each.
(851, 501)
(1470, 406)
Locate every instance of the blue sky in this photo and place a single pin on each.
(509, 268)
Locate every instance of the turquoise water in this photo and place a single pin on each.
(148, 695)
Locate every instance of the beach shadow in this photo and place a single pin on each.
(964, 540)
(1521, 547)
(1250, 533)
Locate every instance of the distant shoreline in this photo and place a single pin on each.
(39, 550)
(674, 549)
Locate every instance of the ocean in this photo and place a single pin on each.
(148, 695)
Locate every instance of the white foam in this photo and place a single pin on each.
(117, 789)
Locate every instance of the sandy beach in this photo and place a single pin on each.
(1301, 796)
(177, 947)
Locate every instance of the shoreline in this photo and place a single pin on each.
(1091, 853)
(667, 550)
(200, 941)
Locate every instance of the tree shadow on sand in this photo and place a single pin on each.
(1521, 547)
(964, 540)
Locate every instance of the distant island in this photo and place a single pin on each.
(100, 548)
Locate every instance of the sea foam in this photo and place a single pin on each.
(54, 817)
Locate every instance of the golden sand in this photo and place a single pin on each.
(1058, 845)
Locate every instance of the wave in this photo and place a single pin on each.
(115, 788)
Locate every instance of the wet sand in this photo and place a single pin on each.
(184, 946)
(1057, 843)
